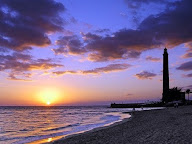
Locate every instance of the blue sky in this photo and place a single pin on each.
(92, 52)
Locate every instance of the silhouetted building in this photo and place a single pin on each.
(174, 94)
(165, 75)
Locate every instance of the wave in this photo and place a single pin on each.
(34, 124)
(59, 128)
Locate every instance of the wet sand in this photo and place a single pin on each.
(170, 125)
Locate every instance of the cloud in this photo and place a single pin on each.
(129, 94)
(69, 45)
(73, 20)
(135, 4)
(122, 45)
(145, 75)
(13, 77)
(59, 73)
(169, 28)
(68, 32)
(187, 66)
(27, 23)
(187, 55)
(189, 45)
(188, 75)
(90, 36)
(140, 8)
(149, 58)
(102, 30)
(15, 56)
(108, 69)
(19, 64)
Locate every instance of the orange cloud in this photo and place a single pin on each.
(153, 59)
(19, 64)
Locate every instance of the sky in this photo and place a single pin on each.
(69, 52)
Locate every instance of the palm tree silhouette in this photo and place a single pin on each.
(188, 91)
(174, 94)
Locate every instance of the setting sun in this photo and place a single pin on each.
(49, 96)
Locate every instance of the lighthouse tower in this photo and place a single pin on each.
(165, 76)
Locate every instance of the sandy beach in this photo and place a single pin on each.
(170, 125)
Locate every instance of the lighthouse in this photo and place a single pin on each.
(165, 76)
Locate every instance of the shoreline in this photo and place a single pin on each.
(125, 119)
(59, 139)
(170, 125)
(123, 116)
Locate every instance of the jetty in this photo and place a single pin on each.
(137, 105)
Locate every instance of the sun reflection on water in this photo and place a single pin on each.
(49, 139)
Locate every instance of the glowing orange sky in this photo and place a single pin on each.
(92, 52)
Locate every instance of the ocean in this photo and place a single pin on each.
(20, 125)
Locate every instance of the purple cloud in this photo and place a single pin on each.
(69, 45)
(145, 75)
(129, 94)
(19, 64)
(27, 23)
(188, 75)
(108, 69)
(135, 4)
(171, 28)
(187, 66)
(102, 30)
(58, 73)
(15, 56)
(12, 76)
(90, 37)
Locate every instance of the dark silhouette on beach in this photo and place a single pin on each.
(165, 76)
(173, 95)
(170, 97)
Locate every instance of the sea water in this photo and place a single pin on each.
(29, 124)
(44, 124)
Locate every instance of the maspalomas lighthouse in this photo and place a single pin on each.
(165, 75)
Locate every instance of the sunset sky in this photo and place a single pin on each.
(70, 52)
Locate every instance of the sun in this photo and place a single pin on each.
(49, 96)
(48, 103)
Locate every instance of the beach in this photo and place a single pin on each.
(169, 125)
